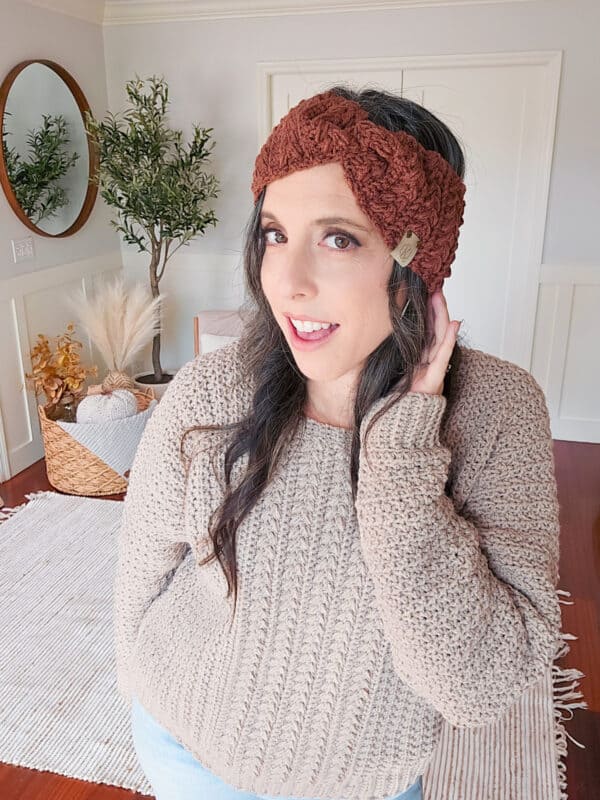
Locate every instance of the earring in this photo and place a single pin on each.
(405, 307)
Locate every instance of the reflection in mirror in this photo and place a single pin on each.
(46, 158)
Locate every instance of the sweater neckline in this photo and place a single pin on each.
(324, 428)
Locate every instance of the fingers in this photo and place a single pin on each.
(442, 357)
(437, 357)
(445, 331)
(441, 320)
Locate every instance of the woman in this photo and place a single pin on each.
(382, 511)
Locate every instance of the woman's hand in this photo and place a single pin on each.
(430, 377)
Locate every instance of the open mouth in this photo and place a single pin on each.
(312, 337)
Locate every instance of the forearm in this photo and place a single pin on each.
(461, 637)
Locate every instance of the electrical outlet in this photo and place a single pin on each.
(22, 249)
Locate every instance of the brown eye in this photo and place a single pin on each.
(338, 235)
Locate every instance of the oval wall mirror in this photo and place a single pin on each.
(46, 158)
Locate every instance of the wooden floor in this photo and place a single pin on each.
(578, 479)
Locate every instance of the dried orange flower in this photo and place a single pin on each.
(57, 371)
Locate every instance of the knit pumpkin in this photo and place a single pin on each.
(107, 406)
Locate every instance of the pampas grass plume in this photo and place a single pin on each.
(120, 321)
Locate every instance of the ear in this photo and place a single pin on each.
(402, 298)
(400, 295)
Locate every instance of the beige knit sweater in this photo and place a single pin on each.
(356, 630)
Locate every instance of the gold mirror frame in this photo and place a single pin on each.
(83, 105)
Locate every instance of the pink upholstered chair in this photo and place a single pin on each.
(216, 327)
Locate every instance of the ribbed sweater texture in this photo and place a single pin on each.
(359, 628)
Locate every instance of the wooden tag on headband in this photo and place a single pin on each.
(406, 249)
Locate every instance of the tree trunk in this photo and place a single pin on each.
(158, 373)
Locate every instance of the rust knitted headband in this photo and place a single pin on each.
(412, 195)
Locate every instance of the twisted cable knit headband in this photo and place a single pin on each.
(412, 195)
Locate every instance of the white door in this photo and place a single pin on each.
(502, 108)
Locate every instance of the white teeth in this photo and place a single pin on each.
(307, 327)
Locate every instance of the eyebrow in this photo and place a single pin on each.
(322, 221)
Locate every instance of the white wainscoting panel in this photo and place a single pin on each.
(566, 355)
(30, 304)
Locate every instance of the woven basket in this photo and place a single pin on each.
(74, 469)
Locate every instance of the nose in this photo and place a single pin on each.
(298, 275)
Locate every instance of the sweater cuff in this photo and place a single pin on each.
(412, 421)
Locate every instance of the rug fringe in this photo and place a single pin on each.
(565, 683)
(7, 513)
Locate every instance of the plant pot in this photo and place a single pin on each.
(158, 388)
(93, 459)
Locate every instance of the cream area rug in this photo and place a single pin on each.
(59, 707)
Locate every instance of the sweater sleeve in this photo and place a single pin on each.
(151, 542)
(468, 602)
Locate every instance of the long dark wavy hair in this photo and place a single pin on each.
(280, 388)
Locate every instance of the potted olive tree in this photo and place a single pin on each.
(157, 185)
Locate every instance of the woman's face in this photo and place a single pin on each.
(329, 271)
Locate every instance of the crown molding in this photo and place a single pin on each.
(123, 12)
(90, 11)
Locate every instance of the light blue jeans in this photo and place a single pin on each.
(175, 774)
